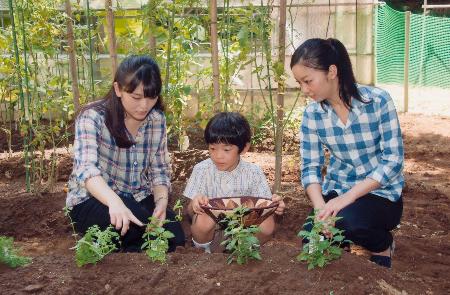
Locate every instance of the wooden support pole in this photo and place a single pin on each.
(215, 55)
(72, 56)
(280, 97)
(111, 28)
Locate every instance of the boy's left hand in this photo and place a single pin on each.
(281, 206)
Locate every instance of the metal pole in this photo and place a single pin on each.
(406, 63)
(422, 43)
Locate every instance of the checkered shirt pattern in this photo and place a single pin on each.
(246, 179)
(369, 146)
(130, 172)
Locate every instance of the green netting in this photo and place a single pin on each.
(429, 49)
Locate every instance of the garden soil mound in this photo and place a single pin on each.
(421, 262)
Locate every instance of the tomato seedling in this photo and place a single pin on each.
(321, 250)
(156, 239)
(95, 245)
(9, 255)
(178, 208)
(241, 241)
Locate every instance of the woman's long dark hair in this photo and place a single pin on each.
(133, 71)
(320, 54)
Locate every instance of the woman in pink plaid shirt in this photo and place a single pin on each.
(121, 167)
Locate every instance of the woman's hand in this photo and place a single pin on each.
(281, 206)
(160, 208)
(197, 201)
(121, 216)
(333, 206)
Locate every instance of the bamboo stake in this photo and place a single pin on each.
(280, 97)
(28, 149)
(152, 38)
(72, 57)
(21, 94)
(267, 49)
(110, 26)
(215, 55)
(28, 115)
(91, 61)
(226, 51)
(169, 50)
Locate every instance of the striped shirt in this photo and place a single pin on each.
(130, 172)
(369, 145)
(246, 179)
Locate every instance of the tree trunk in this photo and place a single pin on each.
(215, 55)
(280, 97)
(72, 57)
(110, 26)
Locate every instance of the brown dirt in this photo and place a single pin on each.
(421, 262)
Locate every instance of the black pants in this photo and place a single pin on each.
(368, 221)
(92, 212)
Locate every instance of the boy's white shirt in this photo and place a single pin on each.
(246, 179)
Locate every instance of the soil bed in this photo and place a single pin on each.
(420, 266)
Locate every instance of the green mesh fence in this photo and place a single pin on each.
(429, 49)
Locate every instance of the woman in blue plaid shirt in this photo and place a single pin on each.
(121, 165)
(359, 127)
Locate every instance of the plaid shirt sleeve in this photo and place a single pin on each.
(311, 151)
(159, 166)
(87, 133)
(391, 163)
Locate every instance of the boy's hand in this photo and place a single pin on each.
(281, 206)
(197, 201)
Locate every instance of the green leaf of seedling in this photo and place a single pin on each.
(338, 238)
(321, 261)
(256, 255)
(303, 233)
(168, 235)
(335, 250)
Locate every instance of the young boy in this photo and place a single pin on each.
(225, 174)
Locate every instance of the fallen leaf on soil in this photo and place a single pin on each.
(33, 288)
(390, 290)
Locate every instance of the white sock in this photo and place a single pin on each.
(205, 246)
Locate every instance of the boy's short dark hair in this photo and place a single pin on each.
(228, 128)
